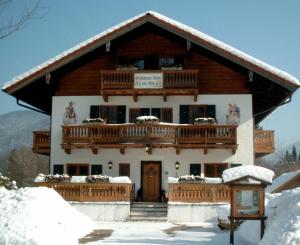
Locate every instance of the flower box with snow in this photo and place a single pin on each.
(57, 178)
(7, 183)
(204, 121)
(147, 120)
(97, 179)
(190, 179)
(94, 120)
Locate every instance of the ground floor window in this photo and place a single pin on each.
(58, 169)
(124, 169)
(78, 169)
(96, 169)
(214, 170)
(195, 169)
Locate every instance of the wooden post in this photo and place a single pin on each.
(231, 231)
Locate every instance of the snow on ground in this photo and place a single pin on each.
(248, 170)
(283, 223)
(140, 233)
(40, 216)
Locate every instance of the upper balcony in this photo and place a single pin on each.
(149, 136)
(263, 142)
(41, 142)
(147, 82)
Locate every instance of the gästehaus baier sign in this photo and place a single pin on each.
(148, 80)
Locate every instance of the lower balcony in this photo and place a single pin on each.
(263, 142)
(41, 142)
(84, 192)
(149, 136)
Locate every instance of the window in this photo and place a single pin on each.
(96, 169)
(189, 112)
(195, 169)
(124, 169)
(111, 114)
(214, 169)
(126, 62)
(58, 169)
(77, 169)
(164, 114)
(171, 61)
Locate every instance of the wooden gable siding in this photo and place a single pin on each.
(216, 75)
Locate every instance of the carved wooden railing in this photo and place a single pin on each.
(198, 192)
(206, 134)
(264, 142)
(96, 192)
(149, 133)
(112, 79)
(41, 142)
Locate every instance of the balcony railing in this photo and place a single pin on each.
(155, 135)
(194, 192)
(41, 142)
(264, 142)
(83, 192)
(112, 79)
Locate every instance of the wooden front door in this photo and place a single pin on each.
(151, 179)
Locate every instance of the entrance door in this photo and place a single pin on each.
(151, 181)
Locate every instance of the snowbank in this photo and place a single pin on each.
(40, 216)
(120, 179)
(283, 223)
(248, 170)
(172, 180)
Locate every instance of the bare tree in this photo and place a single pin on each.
(10, 24)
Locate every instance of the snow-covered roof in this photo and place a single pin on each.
(281, 180)
(256, 172)
(190, 33)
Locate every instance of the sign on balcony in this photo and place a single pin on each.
(148, 80)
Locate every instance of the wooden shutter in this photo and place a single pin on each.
(124, 169)
(94, 111)
(156, 112)
(96, 169)
(211, 111)
(184, 114)
(133, 114)
(195, 168)
(167, 115)
(121, 118)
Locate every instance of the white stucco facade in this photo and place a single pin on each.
(243, 155)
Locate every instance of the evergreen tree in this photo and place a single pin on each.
(286, 155)
(294, 153)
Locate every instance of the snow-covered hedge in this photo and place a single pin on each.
(147, 119)
(7, 183)
(94, 120)
(190, 179)
(57, 178)
(97, 179)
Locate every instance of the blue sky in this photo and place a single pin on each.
(266, 29)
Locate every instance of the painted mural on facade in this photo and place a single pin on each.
(69, 114)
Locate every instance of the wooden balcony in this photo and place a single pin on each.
(174, 82)
(263, 142)
(198, 192)
(41, 142)
(97, 136)
(96, 192)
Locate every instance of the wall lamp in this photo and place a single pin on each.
(177, 165)
(110, 164)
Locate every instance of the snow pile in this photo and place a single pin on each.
(257, 172)
(7, 183)
(282, 179)
(172, 180)
(120, 179)
(40, 216)
(78, 179)
(283, 223)
(223, 212)
(212, 180)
